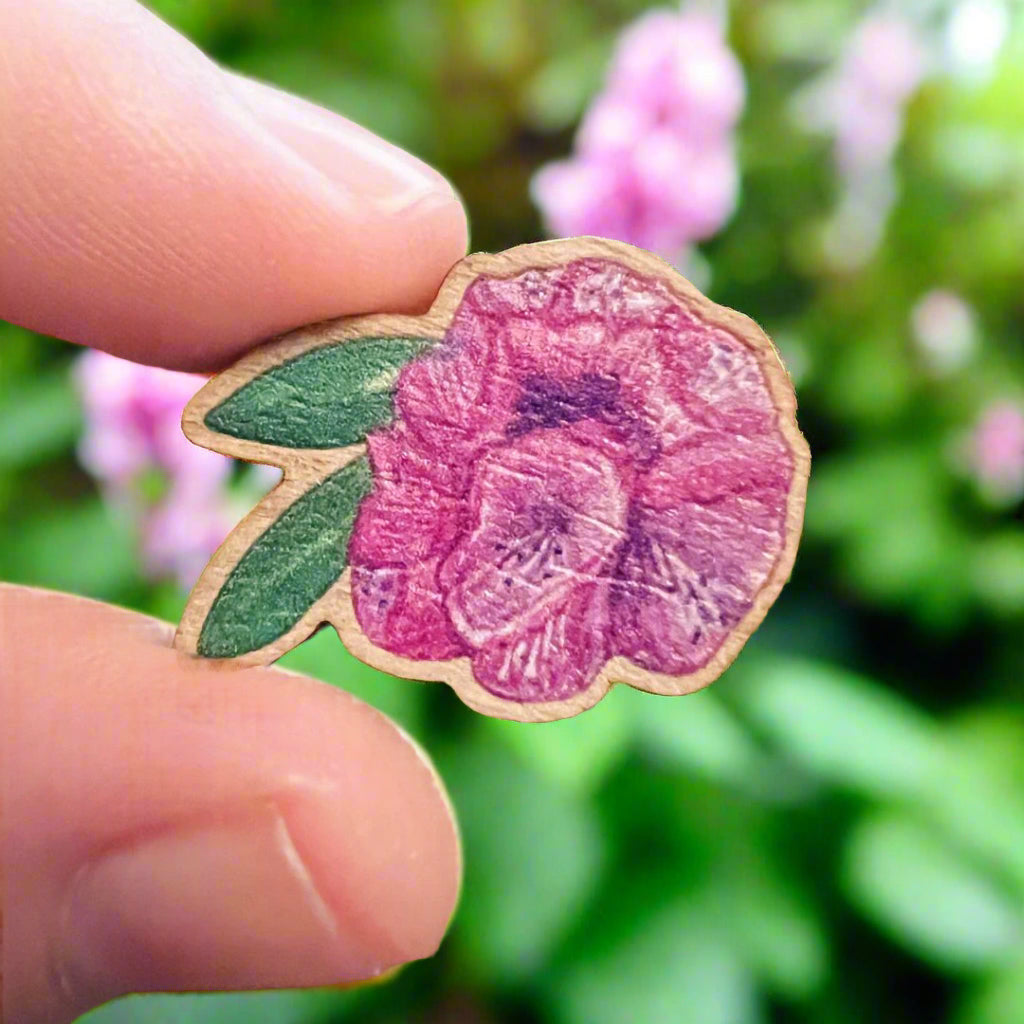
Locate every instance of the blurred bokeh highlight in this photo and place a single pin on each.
(834, 832)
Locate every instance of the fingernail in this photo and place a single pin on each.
(227, 903)
(360, 162)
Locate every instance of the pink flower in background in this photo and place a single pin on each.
(860, 103)
(996, 451)
(133, 417)
(882, 67)
(133, 432)
(654, 162)
(580, 470)
(180, 532)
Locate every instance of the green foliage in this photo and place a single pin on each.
(85, 548)
(776, 932)
(528, 880)
(699, 735)
(998, 999)
(833, 833)
(41, 420)
(577, 753)
(676, 968)
(842, 728)
(928, 897)
(250, 1007)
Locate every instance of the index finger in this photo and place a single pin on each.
(161, 209)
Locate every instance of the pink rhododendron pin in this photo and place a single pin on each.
(575, 470)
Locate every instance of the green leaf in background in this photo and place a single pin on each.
(889, 509)
(328, 397)
(221, 1008)
(291, 565)
(992, 738)
(497, 36)
(40, 420)
(840, 726)
(532, 852)
(84, 549)
(978, 797)
(997, 571)
(775, 930)
(998, 999)
(697, 733)
(557, 92)
(672, 967)
(928, 897)
(575, 752)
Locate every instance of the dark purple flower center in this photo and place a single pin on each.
(556, 402)
(548, 402)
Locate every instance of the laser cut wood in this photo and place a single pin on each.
(574, 470)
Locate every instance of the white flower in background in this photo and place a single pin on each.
(881, 69)
(975, 35)
(944, 330)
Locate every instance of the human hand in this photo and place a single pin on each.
(168, 826)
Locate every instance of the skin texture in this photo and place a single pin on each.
(164, 825)
(149, 199)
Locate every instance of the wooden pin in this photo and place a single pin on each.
(574, 470)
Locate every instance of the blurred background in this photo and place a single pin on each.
(834, 832)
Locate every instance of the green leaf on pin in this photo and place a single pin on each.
(330, 397)
(289, 567)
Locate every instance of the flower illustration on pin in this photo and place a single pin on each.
(574, 470)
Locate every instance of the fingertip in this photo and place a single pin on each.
(204, 828)
(173, 214)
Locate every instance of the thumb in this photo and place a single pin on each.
(168, 825)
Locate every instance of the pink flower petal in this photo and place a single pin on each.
(885, 56)
(451, 398)
(613, 125)
(402, 531)
(589, 196)
(180, 534)
(530, 347)
(400, 609)
(547, 514)
(702, 203)
(715, 467)
(687, 576)
(529, 294)
(414, 511)
(111, 454)
(709, 91)
(555, 653)
(645, 52)
(400, 459)
(725, 387)
(581, 469)
(996, 450)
